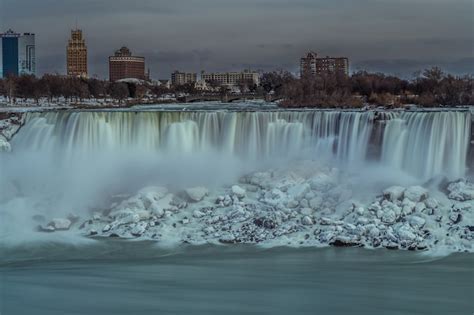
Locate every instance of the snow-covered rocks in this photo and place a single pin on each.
(292, 209)
(461, 190)
(238, 191)
(4, 145)
(56, 224)
(196, 193)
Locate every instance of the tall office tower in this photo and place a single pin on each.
(17, 54)
(77, 55)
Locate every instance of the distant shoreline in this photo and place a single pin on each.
(217, 106)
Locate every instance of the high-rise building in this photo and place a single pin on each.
(232, 78)
(17, 54)
(125, 66)
(180, 78)
(76, 55)
(311, 64)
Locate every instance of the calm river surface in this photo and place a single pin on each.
(117, 277)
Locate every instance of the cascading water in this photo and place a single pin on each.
(423, 144)
(427, 144)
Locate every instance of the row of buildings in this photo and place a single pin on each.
(17, 57)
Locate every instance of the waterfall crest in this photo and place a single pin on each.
(421, 143)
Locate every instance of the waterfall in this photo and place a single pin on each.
(428, 143)
(420, 143)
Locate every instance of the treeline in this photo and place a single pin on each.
(72, 89)
(429, 88)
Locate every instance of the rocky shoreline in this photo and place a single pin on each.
(10, 123)
(288, 208)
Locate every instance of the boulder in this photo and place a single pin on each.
(60, 224)
(139, 229)
(46, 228)
(198, 214)
(299, 191)
(394, 193)
(322, 182)
(197, 193)
(316, 202)
(431, 203)
(307, 220)
(238, 191)
(387, 216)
(156, 210)
(417, 222)
(326, 221)
(306, 211)
(416, 193)
(344, 241)
(292, 204)
(455, 217)
(461, 190)
(406, 233)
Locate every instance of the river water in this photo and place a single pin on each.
(123, 277)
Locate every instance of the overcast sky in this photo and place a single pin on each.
(394, 36)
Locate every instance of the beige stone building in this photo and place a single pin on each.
(180, 78)
(232, 78)
(77, 55)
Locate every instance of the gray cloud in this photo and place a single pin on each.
(381, 35)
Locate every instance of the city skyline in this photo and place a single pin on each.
(266, 35)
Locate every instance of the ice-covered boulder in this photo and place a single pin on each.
(157, 210)
(406, 233)
(431, 203)
(417, 222)
(461, 190)
(275, 197)
(151, 194)
(139, 229)
(292, 204)
(298, 191)
(238, 191)
(322, 182)
(60, 224)
(307, 220)
(4, 145)
(316, 202)
(198, 214)
(387, 216)
(197, 193)
(394, 193)
(416, 193)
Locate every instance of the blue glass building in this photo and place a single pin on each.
(17, 54)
